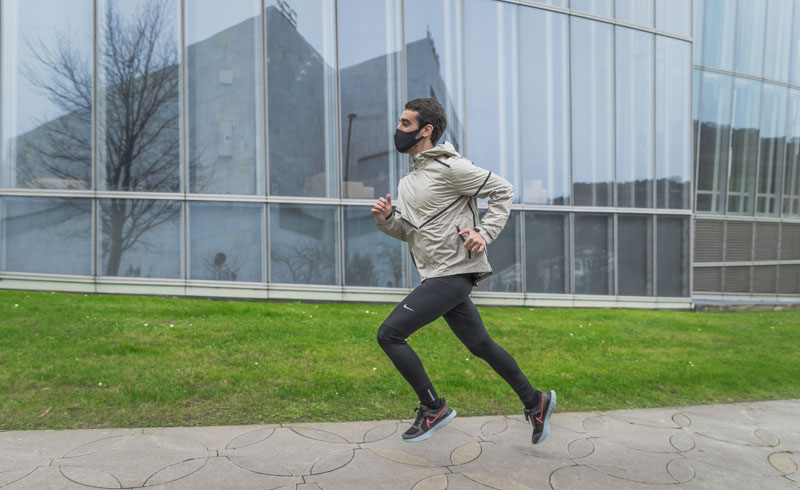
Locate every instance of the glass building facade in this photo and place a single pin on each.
(235, 149)
(746, 78)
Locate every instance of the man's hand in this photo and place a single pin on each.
(383, 208)
(474, 242)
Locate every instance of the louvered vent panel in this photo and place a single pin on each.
(708, 241)
(737, 280)
(790, 242)
(738, 241)
(789, 280)
(765, 278)
(707, 279)
(766, 241)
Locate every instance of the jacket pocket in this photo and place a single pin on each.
(469, 252)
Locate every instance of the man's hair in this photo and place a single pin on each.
(429, 111)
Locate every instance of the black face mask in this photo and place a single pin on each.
(404, 140)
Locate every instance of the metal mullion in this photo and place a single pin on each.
(342, 171)
(338, 111)
(2, 109)
(571, 252)
(3, 248)
(186, 240)
(571, 152)
(521, 173)
(745, 75)
(654, 261)
(265, 248)
(404, 76)
(340, 230)
(95, 147)
(520, 165)
(733, 118)
(523, 255)
(614, 186)
(615, 247)
(264, 102)
(758, 149)
(463, 52)
(696, 144)
(182, 95)
(778, 268)
(654, 203)
(184, 157)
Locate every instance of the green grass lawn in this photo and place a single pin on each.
(90, 361)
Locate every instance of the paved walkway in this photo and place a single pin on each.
(737, 446)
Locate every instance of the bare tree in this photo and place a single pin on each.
(305, 260)
(139, 138)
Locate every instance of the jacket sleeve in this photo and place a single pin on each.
(393, 225)
(471, 180)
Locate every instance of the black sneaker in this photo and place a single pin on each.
(540, 418)
(428, 421)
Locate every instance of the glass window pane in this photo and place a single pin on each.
(434, 60)
(795, 50)
(304, 244)
(226, 241)
(301, 98)
(778, 43)
(594, 247)
(750, 37)
(675, 16)
(773, 145)
(547, 252)
(744, 145)
(673, 127)
(639, 12)
(225, 107)
(138, 92)
(556, 3)
(46, 140)
(714, 141)
(592, 112)
(544, 96)
(46, 235)
(140, 238)
(718, 33)
(672, 261)
(505, 256)
(634, 117)
(370, 80)
(604, 8)
(635, 255)
(372, 258)
(791, 179)
(492, 74)
(698, 9)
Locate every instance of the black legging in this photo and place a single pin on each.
(449, 297)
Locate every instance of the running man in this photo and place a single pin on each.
(436, 213)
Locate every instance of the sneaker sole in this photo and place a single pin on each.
(550, 409)
(436, 427)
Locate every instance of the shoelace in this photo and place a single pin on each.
(529, 415)
(420, 417)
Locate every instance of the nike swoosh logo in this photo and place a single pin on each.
(429, 421)
(406, 307)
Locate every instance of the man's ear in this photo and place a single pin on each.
(427, 130)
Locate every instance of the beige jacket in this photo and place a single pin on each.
(437, 200)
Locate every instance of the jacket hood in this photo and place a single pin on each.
(444, 149)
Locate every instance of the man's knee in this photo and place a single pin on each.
(483, 349)
(388, 336)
